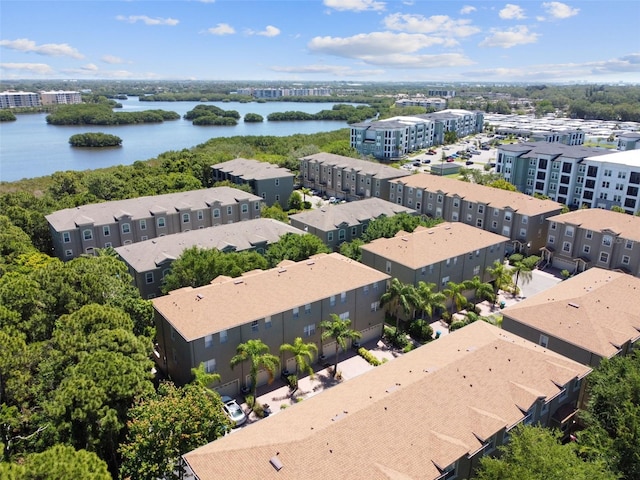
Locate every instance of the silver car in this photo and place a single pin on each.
(233, 410)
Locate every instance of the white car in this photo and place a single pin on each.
(233, 410)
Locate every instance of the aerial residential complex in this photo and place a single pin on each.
(80, 230)
(206, 324)
(284, 92)
(573, 175)
(13, 99)
(432, 413)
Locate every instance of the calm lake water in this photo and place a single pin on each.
(29, 147)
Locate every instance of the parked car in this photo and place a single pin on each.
(233, 410)
(426, 160)
(416, 164)
(469, 162)
(450, 159)
(431, 151)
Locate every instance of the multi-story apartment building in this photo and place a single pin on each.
(206, 324)
(335, 224)
(80, 230)
(586, 318)
(285, 92)
(515, 215)
(347, 178)
(267, 180)
(393, 138)
(432, 414)
(435, 92)
(60, 97)
(566, 137)
(149, 261)
(629, 141)
(436, 104)
(13, 99)
(594, 237)
(555, 170)
(447, 252)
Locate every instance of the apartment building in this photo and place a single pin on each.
(432, 413)
(519, 217)
(335, 224)
(447, 252)
(594, 237)
(206, 324)
(13, 99)
(586, 318)
(566, 137)
(60, 97)
(347, 178)
(628, 141)
(555, 170)
(267, 180)
(436, 104)
(80, 230)
(149, 261)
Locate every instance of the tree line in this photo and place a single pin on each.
(102, 114)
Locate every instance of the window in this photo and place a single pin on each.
(68, 253)
(229, 210)
(208, 341)
(588, 234)
(210, 366)
(267, 322)
(200, 215)
(365, 289)
(148, 277)
(332, 300)
(566, 247)
(330, 236)
(161, 222)
(476, 270)
(126, 228)
(604, 257)
(245, 208)
(341, 234)
(479, 223)
(506, 231)
(628, 244)
(456, 202)
(524, 220)
(186, 218)
(66, 237)
(507, 216)
(87, 234)
(563, 394)
(216, 213)
(143, 224)
(388, 267)
(375, 306)
(277, 180)
(481, 209)
(544, 341)
(107, 245)
(606, 240)
(344, 315)
(625, 259)
(568, 231)
(553, 225)
(343, 297)
(307, 309)
(106, 231)
(445, 280)
(309, 330)
(439, 198)
(586, 249)
(296, 312)
(254, 326)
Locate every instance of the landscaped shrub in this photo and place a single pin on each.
(420, 330)
(396, 338)
(369, 357)
(456, 325)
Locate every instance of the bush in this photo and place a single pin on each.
(420, 330)
(456, 325)
(369, 357)
(96, 139)
(446, 316)
(258, 409)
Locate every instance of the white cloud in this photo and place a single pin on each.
(90, 67)
(221, 29)
(335, 70)
(38, 68)
(441, 24)
(148, 20)
(512, 12)
(50, 49)
(112, 59)
(371, 44)
(269, 31)
(559, 10)
(512, 37)
(467, 9)
(423, 62)
(355, 5)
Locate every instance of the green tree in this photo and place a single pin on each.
(167, 425)
(502, 184)
(303, 353)
(257, 353)
(523, 268)
(400, 297)
(430, 300)
(295, 247)
(295, 201)
(502, 277)
(340, 330)
(454, 292)
(481, 290)
(203, 378)
(275, 211)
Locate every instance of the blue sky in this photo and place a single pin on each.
(322, 40)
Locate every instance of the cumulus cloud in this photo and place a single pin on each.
(148, 20)
(335, 70)
(269, 31)
(355, 5)
(467, 9)
(37, 68)
(50, 49)
(512, 37)
(221, 29)
(436, 24)
(558, 10)
(512, 12)
(112, 59)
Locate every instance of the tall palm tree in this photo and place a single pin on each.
(430, 301)
(257, 353)
(454, 293)
(340, 330)
(523, 269)
(305, 191)
(481, 290)
(202, 378)
(400, 296)
(303, 353)
(502, 277)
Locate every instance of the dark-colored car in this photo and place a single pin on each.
(469, 162)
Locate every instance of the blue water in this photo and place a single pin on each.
(29, 147)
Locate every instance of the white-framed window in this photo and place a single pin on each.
(216, 213)
(344, 315)
(551, 240)
(479, 223)
(161, 222)
(568, 231)
(588, 234)
(330, 236)
(144, 237)
(296, 312)
(106, 231)
(332, 300)
(566, 247)
(68, 253)
(586, 249)
(469, 217)
(444, 280)
(309, 330)
(439, 198)
(456, 202)
(628, 244)
(307, 309)
(254, 326)
(375, 306)
(200, 214)
(506, 231)
(223, 336)
(388, 267)
(343, 297)
(625, 259)
(210, 365)
(148, 277)
(244, 208)
(66, 237)
(342, 234)
(543, 341)
(553, 225)
(494, 224)
(365, 289)
(107, 245)
(507, 216)
(126, 228)
(454, 216)
(229, 210)
(476, 270)
(524, 220)
(354, 231)
(481, 209)
(277, 181)
(186, 218)
(606, 240)
(496, 212)
(87, 234)
(267, 322)
(604, 257)
(208, 341)
(143, 224)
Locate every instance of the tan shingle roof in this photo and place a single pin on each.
(493, 197)
(197, 312)
(598, 219)
(426, 246)
(595, 310)
(401, 420)
(252, 169)
(376, 169)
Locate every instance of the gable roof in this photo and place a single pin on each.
(149, 254)
(534, 149)
(599, 220)
(365, 167)
(426, 246)
(408, 418)
(231, 302)
(350, 214)
(472, 192)
(143, 207)
(252, 169)
(595, 310)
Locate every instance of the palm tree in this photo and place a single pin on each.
(303, 353)
(502, 277)
(523, 268)
(257, 353)
(481, 290)
(400, 296)
(202, 378)
(305, 191)
(430, 301)
(454, 293)
(340, 331)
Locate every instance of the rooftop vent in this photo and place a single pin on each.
(277, 464)
(199, 297)
(574, 305)
(238, 281)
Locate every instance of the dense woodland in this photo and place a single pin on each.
(77, 394)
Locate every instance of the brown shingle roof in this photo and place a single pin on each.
(493, 197)
(402, 420)
(426, 246)
(595, 310)
(197, 312)
(598, 219)
(376, 169)
(252, 169)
